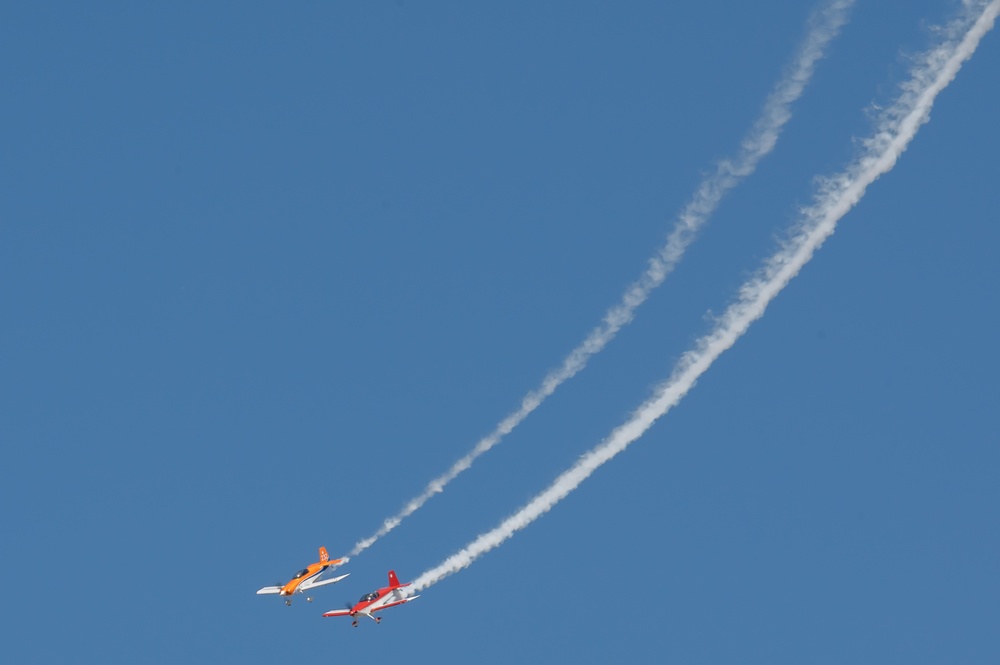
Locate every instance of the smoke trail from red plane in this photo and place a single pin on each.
(895, 128)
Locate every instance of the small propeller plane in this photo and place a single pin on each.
(307, 578)
(376, 601)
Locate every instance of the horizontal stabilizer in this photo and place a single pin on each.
(310, 584)
(269, 589)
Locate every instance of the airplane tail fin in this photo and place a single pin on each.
(394, 581)
(323, 556)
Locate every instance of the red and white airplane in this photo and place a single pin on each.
(307, 578)
(376, 601)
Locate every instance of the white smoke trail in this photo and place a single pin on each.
(824, 25)
(895, 129)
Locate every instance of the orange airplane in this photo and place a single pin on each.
(307, 578)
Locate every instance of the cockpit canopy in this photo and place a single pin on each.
(301, 573)
(369, 596)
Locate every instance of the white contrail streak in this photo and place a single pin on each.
(824, 25)
(836, 196)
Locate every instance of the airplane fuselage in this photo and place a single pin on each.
(302, 576)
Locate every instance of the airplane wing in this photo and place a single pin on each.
(337, 613)
(269, 589)
(312, 584)
(393, 604)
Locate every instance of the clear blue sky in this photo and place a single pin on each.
(265, 271)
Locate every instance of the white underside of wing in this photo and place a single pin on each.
(312, 584)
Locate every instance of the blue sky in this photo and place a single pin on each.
(266, 271)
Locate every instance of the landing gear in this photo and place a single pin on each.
(355, 623)
(378, 619)
(288, 602)
(308, 599)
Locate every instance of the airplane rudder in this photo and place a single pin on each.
(393, 580)
(323, 556)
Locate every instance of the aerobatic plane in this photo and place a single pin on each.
(307, 578)
(376, 601)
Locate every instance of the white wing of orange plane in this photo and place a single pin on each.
(307, 578)
(376, 601)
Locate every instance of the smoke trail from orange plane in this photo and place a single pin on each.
(895, 128)
(824, 26)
